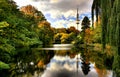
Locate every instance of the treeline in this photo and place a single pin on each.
(65, 35)
(109, 10)
(21, 30)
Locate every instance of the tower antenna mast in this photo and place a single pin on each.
(77, 18)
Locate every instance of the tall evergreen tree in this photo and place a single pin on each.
(85, 23)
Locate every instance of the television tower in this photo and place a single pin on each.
(77, 18)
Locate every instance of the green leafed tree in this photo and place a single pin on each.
(45, 32)
(18, 35)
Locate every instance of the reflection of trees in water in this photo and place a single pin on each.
(41, 58)
(29, 64)
(101, 72)
(85, 62)
(85, 67)
(101, 59)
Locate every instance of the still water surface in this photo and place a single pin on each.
(65, 66)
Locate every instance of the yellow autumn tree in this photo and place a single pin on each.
(88, 36)
(64, 37)
(45, 32)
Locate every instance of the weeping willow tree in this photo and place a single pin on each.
(95, 10)
(110, 22)
(115, 34)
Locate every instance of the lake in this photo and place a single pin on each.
(67, 62)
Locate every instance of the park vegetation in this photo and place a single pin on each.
(26, 28)
(20, 31)
(103, 35)
(110, 23)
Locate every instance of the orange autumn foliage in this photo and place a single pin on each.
(101, 72)
(72, 29)
(28, 10)
(40, 64)
(88, 36)
(44, 24)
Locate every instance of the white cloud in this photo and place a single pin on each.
(59, 24)
(55, 14)
(69, 13)
(21, 3)
(54, 1)
(59, 8)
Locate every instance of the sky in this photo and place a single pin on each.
(61, 13)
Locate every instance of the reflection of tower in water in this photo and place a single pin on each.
(77, 22)
(85, 65)
(77, 64)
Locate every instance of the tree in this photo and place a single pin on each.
(57, 39)
(18, 36)
(110, 20)
(72, 29)
(31, 12)
(88, 38)
(85, 23)
(61, 30)
(64, 38)
(97, 9)
(97, 34)
(45, 32)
